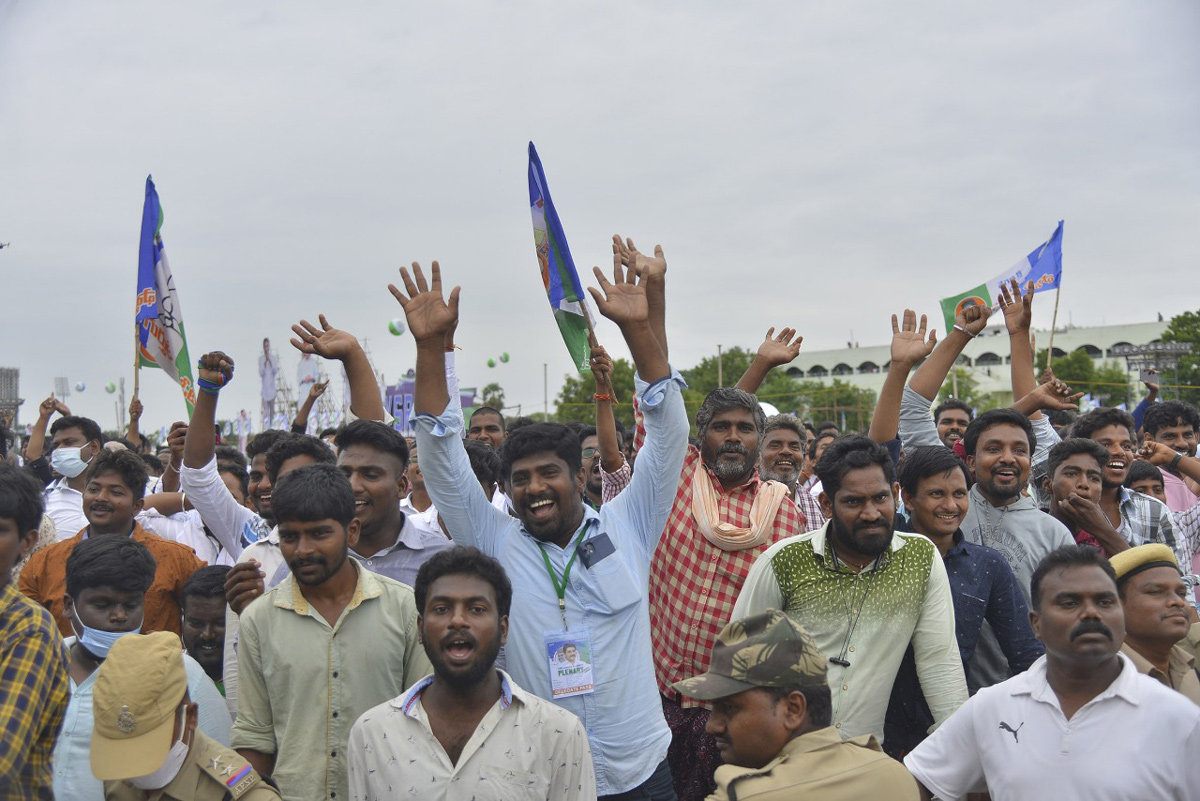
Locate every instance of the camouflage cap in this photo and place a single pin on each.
(764, 650)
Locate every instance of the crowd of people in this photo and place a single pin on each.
(946, 605)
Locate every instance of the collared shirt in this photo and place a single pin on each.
(33, 696)
(523, 747)
(1015, 737)
(623, 717)
(1146, 520)
(73, 776)
(65, 507)
(821, 765)
(867, 618)
(303, 682)
(210, 772)
(401, 560)
(44, 579)
(234, 526)
(611, 484)
(187, 528)
(1180, 675)
(1179, 497)
(270, 559)
(426, 521)
(693, 583)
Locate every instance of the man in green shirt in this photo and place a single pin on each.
(328, 643)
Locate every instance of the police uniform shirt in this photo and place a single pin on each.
(211, 772)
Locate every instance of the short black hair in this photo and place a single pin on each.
(519, 423)
(325, 432)
(1089, 423)
(243, 478)
(925, 461)
(262, 442)
(1170, 413)
(460, 560)
(1068, 556)
(89, 427)
(376, 436)
(291, 445)
(313, 492)
(206, 582)
(828, 425)
(537, 438)
(128, 465)
(1069, 447)
(20, 498)
(489, 410)
(485, 462)
(1139, 471)
(1061, 417)
(227, 454)
(817, 438)
(996, 417)
(818, 699)
(851, 452)
(586, 431)
(953, 403)
(152, 462)
(109, 561)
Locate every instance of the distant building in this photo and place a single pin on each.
(10, 392)
(986, 356)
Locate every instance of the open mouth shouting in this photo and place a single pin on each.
(458, 648)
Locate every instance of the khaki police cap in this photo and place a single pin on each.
(135, 703)
(1133, 561)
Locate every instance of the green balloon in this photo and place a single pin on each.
(504, 357)
(491, 362)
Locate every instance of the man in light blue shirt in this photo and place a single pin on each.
(580, 578)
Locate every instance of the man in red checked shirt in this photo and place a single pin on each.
(724, 516)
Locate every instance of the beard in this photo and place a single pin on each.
(851, 539)
(730, 471)
(328, 569)
(789, 477)
(477, 672)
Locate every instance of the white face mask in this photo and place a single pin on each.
(170, 769)
(68, 461)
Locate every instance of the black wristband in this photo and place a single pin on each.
(1175, 462)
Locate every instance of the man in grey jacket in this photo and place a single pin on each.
(999, 445)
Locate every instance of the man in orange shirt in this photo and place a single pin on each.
(112, 497)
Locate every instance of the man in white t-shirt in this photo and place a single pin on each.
(1048, 732)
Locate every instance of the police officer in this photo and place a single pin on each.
(145, 744)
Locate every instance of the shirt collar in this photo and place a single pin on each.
(820, 538)
(1035, 684)
(290, 597)
(407, 703)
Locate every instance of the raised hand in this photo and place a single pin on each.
(327, 342)
(175, 440)
(1055, 395)
(602, 369)
(216, 367)
(1017, 308)
(1156, 453)
(135, 409)
(48, 407)
(1152, 386)
(317, 389)
(623, 300)
(974, 318)
(779, 349)
(429, 315)
(627, 254)
(909, 343)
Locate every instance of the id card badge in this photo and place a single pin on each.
(569, 658)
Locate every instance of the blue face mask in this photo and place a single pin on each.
(68, 461)
(97, 642)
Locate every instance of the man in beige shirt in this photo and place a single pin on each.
(1155, 601)
(468, 731)
(329, 642)
(771, 718)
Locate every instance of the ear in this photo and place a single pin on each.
(826, 504)
(896, 492)
(908, 501)
(352, 532)
(68, 606)
(139, 504)
(971, 463)
(503, 629)
(420, 628)
(403, 485)
(28, 543)
(1034, 623)
(580, 480)
(795, 711)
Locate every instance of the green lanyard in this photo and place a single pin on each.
(560, 585)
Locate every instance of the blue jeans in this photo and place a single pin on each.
(658, 787)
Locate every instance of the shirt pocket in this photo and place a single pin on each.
(617, 586)
(517, 785)
(969, 611)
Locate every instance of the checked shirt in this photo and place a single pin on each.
(694, 584)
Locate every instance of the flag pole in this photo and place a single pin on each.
(1053, 325)
(137, 358)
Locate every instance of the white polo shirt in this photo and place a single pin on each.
(1014, 738)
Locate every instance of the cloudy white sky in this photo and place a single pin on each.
(819, 165)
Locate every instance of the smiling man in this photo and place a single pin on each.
(864, 592)
(1155, 600)
(782, 459)
(329, 642)
(468, 723)
(1174, 424)
(204, 620)
(111, 500)
(577, 574)
(1048, 732)
(999, 445)
(772, 721)
(952, 419)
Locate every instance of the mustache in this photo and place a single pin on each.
(734, 447)
(1091, 627)
(311, 560)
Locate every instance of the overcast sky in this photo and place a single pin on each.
(819, 165)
